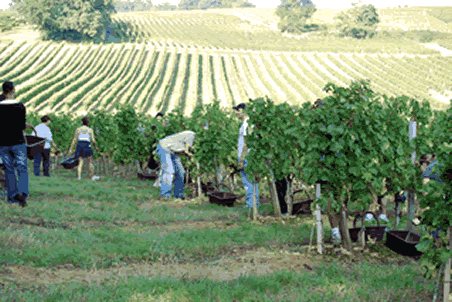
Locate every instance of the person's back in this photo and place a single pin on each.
(12, 117)
(13, 150)
(84, 133)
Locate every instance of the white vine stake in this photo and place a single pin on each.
(411, 204)
(319, 222)
(254, 200)
(199, 181)
(447, 271)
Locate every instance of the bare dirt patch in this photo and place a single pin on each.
(259, 262)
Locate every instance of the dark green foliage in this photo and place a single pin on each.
(76, 20)
(8, 22)
(294, 14)
(358, 22)
(132, 5)
(442, 13)
(188, 4)
(205, 4)
(166, 6)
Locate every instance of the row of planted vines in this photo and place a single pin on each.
(362, 135)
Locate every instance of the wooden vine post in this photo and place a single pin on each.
(274, 195)
(289, 195)
(255, 199)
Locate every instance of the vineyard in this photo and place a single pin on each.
(64, 78)
(116, 240)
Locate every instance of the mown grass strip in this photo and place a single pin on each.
(157, 83)
(80, 247)
(37, 69)
(199, 91)
(398, 75)
(357, 72)
(228, 81)
(185, 85)
(145, 80)
(170, 86)
(18, 60)
(123, 72)
(212, 77)
(330, 281)
(88, 92)
(79, 82)
(27, 93)
(94, 96)
(67, 81)
(389, 78)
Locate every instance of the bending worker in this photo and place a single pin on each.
(168, 151)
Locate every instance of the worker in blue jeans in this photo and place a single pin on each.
(251, 188)
(168, 151)
(13, 148)
(431, 172)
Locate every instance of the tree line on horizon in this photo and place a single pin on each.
(91, 20)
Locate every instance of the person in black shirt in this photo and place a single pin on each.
(13, 148)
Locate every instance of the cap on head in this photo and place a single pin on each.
(239, 106)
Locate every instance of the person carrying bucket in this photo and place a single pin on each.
(84, 135)
(168, 150)
(13, 148)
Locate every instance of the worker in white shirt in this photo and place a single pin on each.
(168, 151)
(43, 131)
(83, 136)
(250, 187)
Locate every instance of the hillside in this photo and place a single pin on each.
(168, 60)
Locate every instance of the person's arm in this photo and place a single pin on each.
(74, 140)
(91, 133)
(187, 150)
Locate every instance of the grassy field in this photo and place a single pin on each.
(113, 240)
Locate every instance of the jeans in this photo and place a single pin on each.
(250, 187)
(45, 156)
(170, 165)
(15, 158)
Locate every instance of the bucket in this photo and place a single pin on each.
(147, 176)
(395, 240)
(375, 232)
(70, 163)
(303, 207)
(222, 198)
(35, 145)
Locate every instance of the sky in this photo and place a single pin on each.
(322, 3)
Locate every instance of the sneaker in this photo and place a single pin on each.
(20, 198)
(284, 214)
(383, 217)
(336, 236)
(95, 177)
(157, 183)
(369, 217)
(79, 178)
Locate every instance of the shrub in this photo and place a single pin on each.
(359, 22)
(294, 14)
